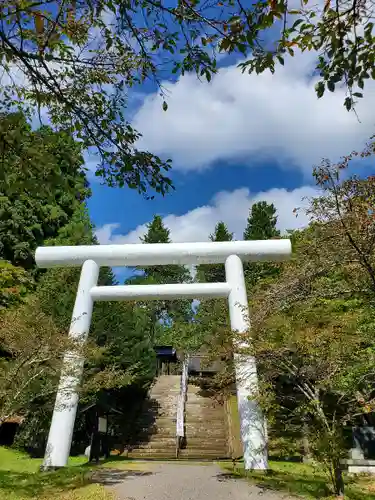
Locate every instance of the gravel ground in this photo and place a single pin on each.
(188, 482)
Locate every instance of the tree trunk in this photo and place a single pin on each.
(307, 455)
(338, 480)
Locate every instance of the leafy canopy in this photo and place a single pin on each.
(77, 60)
(311, 326)
(42, 182)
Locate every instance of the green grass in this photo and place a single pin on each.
(21, 479)
(304, 480)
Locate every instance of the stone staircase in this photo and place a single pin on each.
(205, 431)
(157, 436)
(205, 424)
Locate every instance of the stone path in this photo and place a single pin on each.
(186, 482)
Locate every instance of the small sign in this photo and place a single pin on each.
(102, 425)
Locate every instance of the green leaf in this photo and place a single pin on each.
(297, 23)
(331, 85)
(319, 89)
(348, 103)
(165, 106)
(225, 44)
(358, 94)
(280, 59)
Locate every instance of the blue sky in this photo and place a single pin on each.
(237, 140)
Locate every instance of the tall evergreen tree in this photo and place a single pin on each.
(167, 311)
(213, 273)
(221, 233)
(156, 232)
(261, 225)
(205, 329)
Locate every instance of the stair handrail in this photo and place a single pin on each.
(181, 403)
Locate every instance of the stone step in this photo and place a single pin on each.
(162, 391)
(155, 444)
(156, 448)
(203, 404)
(207, 433)
(157, 418)
(190, 429)
(208, 443)
(159, 433)
(197, 419)
(190, 438)
(202, 408)
(170, 414)
(194, 442)
(153, 456)
(191, 421)
(150, 447)
(214, 453)
(201, 454)
(211, 420)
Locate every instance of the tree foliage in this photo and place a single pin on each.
(261, 225)
(32, 348)
(162, 310)
(261, 222)
(42, 182)
(203, 332)
(76, 61)
(15, 284)
(311, 328)
(214, 273)
(117, 328)
(33, 337)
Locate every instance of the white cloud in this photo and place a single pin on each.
(231, 207)
(104, 233)
(246, 117)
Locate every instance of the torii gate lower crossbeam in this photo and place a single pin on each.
(252, 423)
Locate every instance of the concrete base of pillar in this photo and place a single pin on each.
(49, 468)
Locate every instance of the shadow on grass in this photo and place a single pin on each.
(111, 477)
(302, 480)
(297, 484)
(35, 484)
(39, 484)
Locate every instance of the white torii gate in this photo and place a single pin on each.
(232, 253)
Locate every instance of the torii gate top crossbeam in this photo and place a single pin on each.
(163, 253)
